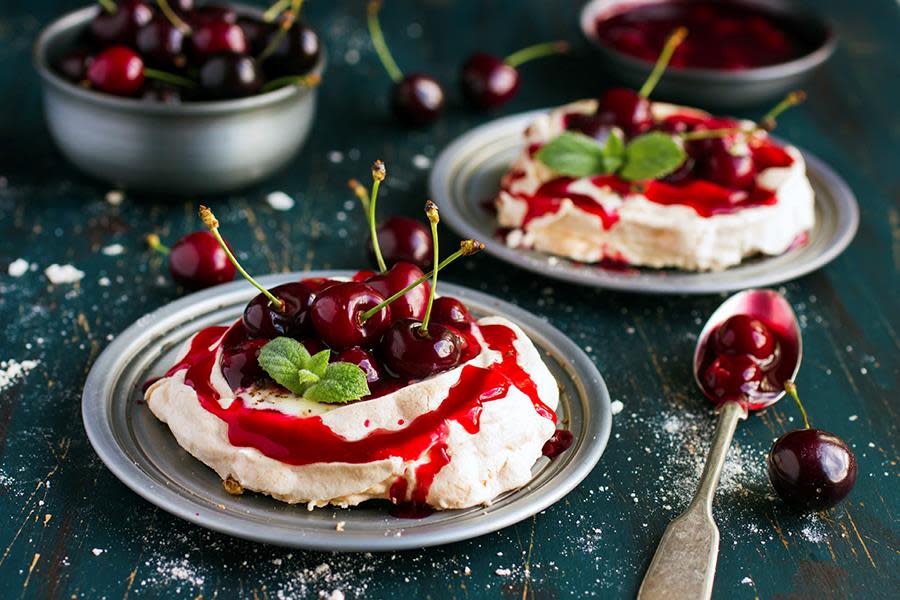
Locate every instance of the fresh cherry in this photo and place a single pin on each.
(404, 239)
(742, 334)
(417, 100)
(487, 81)
(590, 125)
(119, 27)
(229, 76)
(413, 303)
(240, 364)
(73, 65)
(407, 350)
(732, 377)
(256, 32)
(295, 53)
(161, 44)
(625, 108)
(337, 315)
(262, 319)
(197, 261)
(731, 170)
(117, 70)
(203, 15)
(450, 311)
(217, 37)
(364, 360)
(162, 93)
(811, 469)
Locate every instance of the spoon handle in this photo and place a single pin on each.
(684, 566)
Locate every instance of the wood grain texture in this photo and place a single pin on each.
(68, 528)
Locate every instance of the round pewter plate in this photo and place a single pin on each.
(143, 454)
(467, 174)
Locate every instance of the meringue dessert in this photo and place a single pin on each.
(334, 392)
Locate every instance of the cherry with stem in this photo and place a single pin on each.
(378, 174)
(489, 81)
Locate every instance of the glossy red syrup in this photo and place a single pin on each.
(707, 198)
(549, 197)
(303, 441)
(724, 35)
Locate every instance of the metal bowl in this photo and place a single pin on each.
(713, 87)
(191, 148)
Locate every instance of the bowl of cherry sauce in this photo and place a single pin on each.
(737, 53)
(168, 97)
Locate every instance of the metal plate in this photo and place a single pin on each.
(142, 452)
(467, 173)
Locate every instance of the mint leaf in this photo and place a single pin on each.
(651, 156)
(284, 359)
(318, 362)
(573, 154)
(343, 382)
(614, 151)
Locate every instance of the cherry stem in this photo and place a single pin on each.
(276, 9)
(793, 99)
(361, 193)
(287, 21)
(378, 175)
(662, 62)
(168, 78)
(155, 244)
(173, 17)
(791, 389)
(431, 211)
(384, 54)
(309, 81)
(109, 6)
(537, 51)
(766, 123)
(466, 248)
(209, 219)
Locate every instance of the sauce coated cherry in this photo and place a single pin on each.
(337, 315)
(413, 303)
(263, 320)
(743, 334)
(408, 351)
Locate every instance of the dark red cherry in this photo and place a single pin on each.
(296, 54)
(240, 364)
(182, 6)
(487, 81)
(256, 32)
(591, 125)
(262, 320)
(164, 93)
(450, 311)
(203, 15)
(413, 303)
(218, 37)
(117, 70)
(363, 359)
(732, 377)
(408, 351)
(337, 315)
(229, 76)
(161, 44)
(735, 171)
(405, 239)
(684, 172)
(742, 334)
(811, 469)
(624, 108)
(73, 65)
(198, 261)
(417, 100)
(120, 27)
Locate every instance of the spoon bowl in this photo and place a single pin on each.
(776, 313)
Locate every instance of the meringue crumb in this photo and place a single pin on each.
(97, 551)
(113, 249)
(63, 274)
(18, 267)
(334, 595)
(280, 201)
(340, 525)
(232, 487)
(852, 417)
(115, 197)
(616, 407)
(420, 161)
(467, 571)
(503, 572)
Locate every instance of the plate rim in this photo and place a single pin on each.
(443, 174)
(103, 436)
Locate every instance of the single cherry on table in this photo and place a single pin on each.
(489, 81)
(196, 260)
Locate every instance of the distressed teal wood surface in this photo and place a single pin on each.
(68, 528)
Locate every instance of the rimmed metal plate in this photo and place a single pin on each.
(467, 173)
(142, 452)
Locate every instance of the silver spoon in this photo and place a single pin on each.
(684, 565)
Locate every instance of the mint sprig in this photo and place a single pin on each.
(290, 364)
(649, 156)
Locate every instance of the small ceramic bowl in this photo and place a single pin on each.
(713, 87)
(186, 149)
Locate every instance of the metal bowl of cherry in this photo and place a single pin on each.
(190, 148)
(718, 76)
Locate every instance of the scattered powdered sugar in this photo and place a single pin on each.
(617, 407)
(334, 595)
(115, 197)
(18, 267)
(280, 201)
(97, 551)
(63, 274)
(814, 530)
(11, 369)
(420, 161)
(113, 249)
(503, 572)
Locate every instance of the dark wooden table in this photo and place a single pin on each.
(68, 528)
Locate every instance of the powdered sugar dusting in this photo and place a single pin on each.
(11, 370)
(18, 267)
(58, 274)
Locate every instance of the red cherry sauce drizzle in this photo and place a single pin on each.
(308, 440)
(728, 36)
(776, 369)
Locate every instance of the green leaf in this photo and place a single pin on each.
(283, 359)
(614, 151)
(573, 154)
(343, 382)
(318, 362)
(651, 156)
